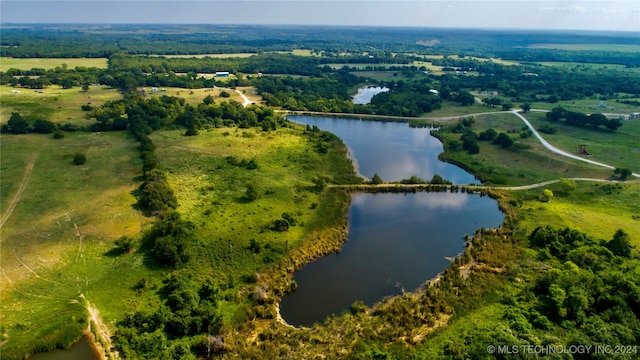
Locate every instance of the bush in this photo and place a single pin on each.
(58, 134)
(79, 158)
(44, 126)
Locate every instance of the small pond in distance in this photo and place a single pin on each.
(396, 242)
(366, 93)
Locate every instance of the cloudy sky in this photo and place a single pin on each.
(550, 14)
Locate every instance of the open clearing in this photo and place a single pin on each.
(54, 103)
(50, 63)
(55, 246)
(596, 209)
(620, 148)
(195, 96)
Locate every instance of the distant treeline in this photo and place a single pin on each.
(104, 40)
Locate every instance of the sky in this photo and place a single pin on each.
(619, 15)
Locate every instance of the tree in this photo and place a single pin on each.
(375, 180)
(546, 195)
(488, 134)
(620, 245)
(191, 131)
(208, 100)
(252, 193)
(503, 140)
(567, 185)
(79, 158)
(622, 173)
(526, 107)
(507, 106)
(17, 124)
(44, 126)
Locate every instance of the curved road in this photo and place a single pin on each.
(558, 151)
(515, 112)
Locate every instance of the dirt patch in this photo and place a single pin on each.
(102, 332)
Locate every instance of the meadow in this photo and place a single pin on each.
(620, 148)
(54, 103)
(527, 163)
(50, 63)
(593, 208)
(589, 47)
(57, 243)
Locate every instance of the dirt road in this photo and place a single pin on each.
(23, 185)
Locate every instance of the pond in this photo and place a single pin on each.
(81, 350)
(396, 242)
(393, 150)
(366, 93)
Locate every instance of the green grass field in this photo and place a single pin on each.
(589, 47)
(195, 96)
(54, 104)
(620, 148)
(50, 63)
(589, 106)
(528, 165)
(56, 244)
(594, 208)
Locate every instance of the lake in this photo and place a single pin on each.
(396, 242)
(366, 93)
(393, 150)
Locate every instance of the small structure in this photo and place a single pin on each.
(434, 92)
(154, 89)
(222, 73)
(582, 149)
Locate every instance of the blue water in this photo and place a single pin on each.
(393, 150)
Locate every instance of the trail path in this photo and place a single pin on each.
(558, 151)
(102, 330)
(519, 187)
(246, 102)
(23, 185)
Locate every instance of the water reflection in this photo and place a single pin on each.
(365, 94)
(395, 242)
(393, 150)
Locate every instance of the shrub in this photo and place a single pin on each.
(79, 158)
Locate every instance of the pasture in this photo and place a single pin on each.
(589, 47)
(594, 208)
(50, 63)
(57, 243)
(195, 96)
(590, 106)
(620, 148)
(528, 163)
(54, 103)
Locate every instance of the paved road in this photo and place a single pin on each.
(516, 112)
(558, 151)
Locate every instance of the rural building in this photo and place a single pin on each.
(222, 73)
(154, 89)
(434, 91)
